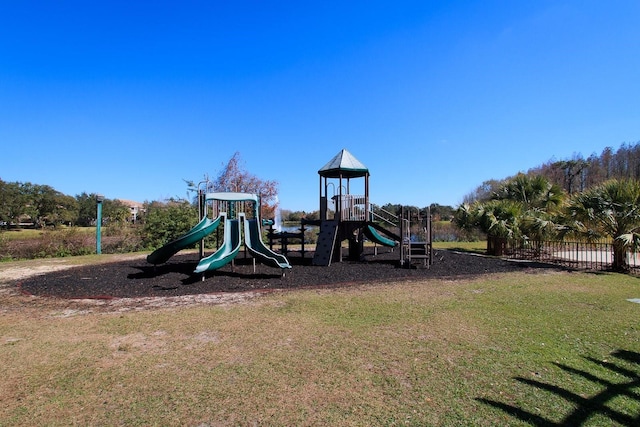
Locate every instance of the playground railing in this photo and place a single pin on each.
(353, 208)
(588, 255)
(386, 217)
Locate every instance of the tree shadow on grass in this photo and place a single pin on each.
(586, 407)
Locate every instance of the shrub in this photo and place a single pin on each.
(4, 247)
(121, 238)
(446, 231)
(51, 243)
(70, 242)
(311, 235)
(164, 223)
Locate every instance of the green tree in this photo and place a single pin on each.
(497, 218)
(483, 192)
(12, 202)
(610, 210)
(65, 210)
(441, 212)
(311, 216)
(288, 215)
(297, 216)
(44, 205)
(87, 209)
(166, 222)
(115, 212)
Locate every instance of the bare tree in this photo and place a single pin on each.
(234, 177)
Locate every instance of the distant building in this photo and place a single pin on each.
(135, 208)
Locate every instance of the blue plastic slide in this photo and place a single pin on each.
(228, 251)
(253, 242)
(197, 233)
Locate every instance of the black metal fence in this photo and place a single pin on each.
(582, 255)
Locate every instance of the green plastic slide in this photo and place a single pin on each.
(253, 242)
(197, 233)
(228, 251)
(373, 235)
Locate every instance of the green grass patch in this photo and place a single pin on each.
(505, 350)
(475, 247)
(31, 234)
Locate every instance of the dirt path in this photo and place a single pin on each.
(12, 300)
(16, 303)
(17, 270)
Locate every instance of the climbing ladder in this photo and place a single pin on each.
(416, 250)
(326, 243)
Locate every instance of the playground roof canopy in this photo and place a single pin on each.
(345, 165)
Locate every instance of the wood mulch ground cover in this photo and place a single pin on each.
(136, 278)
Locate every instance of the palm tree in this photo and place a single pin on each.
(522, 208)
(500, 218)
(532, 191)
(610, 210)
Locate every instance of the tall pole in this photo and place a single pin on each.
(367, 208)
(99, 200)
(201, 214)
(202, 211)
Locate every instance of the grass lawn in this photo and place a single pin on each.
(30, 233)
(477, 247)
(502, 350)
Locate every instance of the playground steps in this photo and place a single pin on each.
(419, 251)
(326, 243)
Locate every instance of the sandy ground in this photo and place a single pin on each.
(18, 272)
(11, 299)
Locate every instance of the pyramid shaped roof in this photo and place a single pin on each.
(344, 164)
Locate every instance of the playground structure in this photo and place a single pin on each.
(417, 232)
(343, 216)
(351, 217)
(239, 214)
(286, 237)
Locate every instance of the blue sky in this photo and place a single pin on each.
(129, 99)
